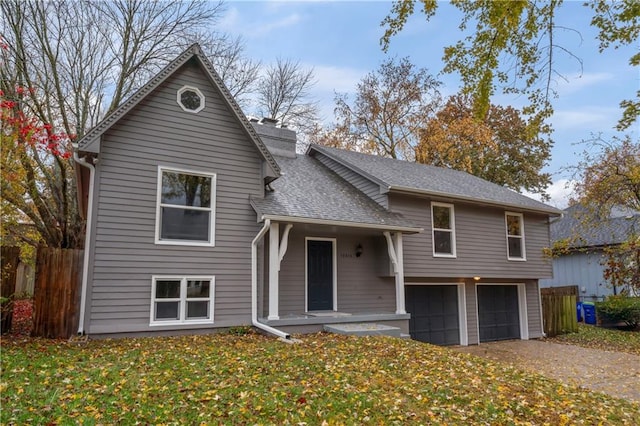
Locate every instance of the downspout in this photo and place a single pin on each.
(87, 237)
(254, 286)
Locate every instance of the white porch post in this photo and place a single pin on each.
(274, 268)
(400, 308)
(396, 256)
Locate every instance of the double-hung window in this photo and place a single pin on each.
(444, 232)
(182, 300)
(185, 208)
(515, 236)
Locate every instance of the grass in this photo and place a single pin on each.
(253, 379)
(590, 336)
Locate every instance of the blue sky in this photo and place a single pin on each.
(340, 41)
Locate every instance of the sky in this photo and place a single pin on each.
(340, 41)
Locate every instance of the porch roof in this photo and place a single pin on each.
(309, 192)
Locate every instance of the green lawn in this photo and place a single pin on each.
(590, 336)
(253, 379)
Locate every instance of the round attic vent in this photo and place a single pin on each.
(191, 99)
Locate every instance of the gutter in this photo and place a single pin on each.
(254, 287)
(87, 237)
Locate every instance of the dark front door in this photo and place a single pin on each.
(434, 313)
(319, 275)
(498, 312)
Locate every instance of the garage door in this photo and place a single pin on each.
(498, 314)
(434, 313)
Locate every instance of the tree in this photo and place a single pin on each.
(283, 94)
(514, 46)
(610, 177)
(608, 180)
(391, 105)
(64, 66)
(502, 148)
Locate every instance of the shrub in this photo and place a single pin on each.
(620, 309)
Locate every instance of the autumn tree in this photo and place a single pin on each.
(503, 148)
(283, 94)
(514, 47)
(64, 66)
(391, 105)
(608, 179)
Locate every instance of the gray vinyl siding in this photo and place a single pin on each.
(582, 269)
(472, 313)
(480, 241)
(533, 309)
(159, 133)
(360, 289)
(371, 189)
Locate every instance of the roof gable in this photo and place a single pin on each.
(91, 141)
(416, 178)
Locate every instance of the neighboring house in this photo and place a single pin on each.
(586, 241)
(200, 219)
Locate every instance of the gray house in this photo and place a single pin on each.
(201, 219)
(583, 264)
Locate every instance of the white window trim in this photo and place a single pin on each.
(192, 89)
(462, 309)
(306, 271)
(182, 300)
(212, 209)
(452, 218)
(522, 310)
(506, 230)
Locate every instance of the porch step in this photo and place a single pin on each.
(363, 329)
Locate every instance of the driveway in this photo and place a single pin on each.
(614, 373)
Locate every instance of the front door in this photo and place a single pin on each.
(320, 275)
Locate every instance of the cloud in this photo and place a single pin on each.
(339, 79)
(559, 192)
(232, 22)
(578, 82)
(589, 118)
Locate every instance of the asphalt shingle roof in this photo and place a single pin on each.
(309, 190)
(398, 174)
(610, 231)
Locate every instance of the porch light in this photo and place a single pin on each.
(359, 250)
(476, 278)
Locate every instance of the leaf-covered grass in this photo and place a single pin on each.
(608, 339)
(253, 379)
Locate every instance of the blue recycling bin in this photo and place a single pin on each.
(589, 309)
(579, 310)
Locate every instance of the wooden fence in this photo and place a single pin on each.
(57, 292)
(10, 260)
(559, 312)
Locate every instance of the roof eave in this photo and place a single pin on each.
(329, 222)
(413, 191)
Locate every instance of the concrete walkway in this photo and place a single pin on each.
(614, 373)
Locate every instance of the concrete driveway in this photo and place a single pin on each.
(614, 373)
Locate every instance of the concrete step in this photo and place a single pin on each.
(363, 329)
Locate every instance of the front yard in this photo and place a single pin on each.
(256, 379)
(606, 339)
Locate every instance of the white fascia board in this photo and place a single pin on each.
(293, 219)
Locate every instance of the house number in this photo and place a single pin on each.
(346, 255)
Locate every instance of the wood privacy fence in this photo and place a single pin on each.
(559, 310)
(57, 292)
(10, 260)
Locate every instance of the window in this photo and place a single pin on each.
(191, 99)
(515, 236)
(185, 207)
(179, 300)
(444, 234)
